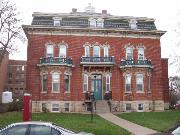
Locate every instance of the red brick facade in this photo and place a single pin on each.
(153, 69)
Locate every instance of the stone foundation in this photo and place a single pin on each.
(116, 106)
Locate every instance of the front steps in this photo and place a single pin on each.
(101, 107)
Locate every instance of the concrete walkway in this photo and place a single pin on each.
(131, 127)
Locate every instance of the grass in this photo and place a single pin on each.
(75, 122)
(159, 121)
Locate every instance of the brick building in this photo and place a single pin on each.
(16, 78)
(72, 54)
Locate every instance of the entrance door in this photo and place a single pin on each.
(97, 87)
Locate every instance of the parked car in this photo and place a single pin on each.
(37, 128)
(174, 130)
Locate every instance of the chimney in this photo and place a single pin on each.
(74, 10)
(104, 12)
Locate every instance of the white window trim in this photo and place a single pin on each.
(108, 77)
(126, 109)
(64, 107)
(138, 107)
(52, 107)
(69, 90)
(138, 91)
(149, 84)
(47, 50)
(138, 53)
(130, 83)
(129, 48)
(42, 82)
(86, 52)
(65, 51)
(99, 53)
(105, 51)
(85, 83)
(59, 83)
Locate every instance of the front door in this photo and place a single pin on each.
(97, 87)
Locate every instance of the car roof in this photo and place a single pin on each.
(40, 123)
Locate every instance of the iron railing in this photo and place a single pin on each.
(135, 63)
(56, 60)
(97, 60)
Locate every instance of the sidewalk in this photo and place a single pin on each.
(131, 127)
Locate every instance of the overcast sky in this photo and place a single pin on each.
(166, 13)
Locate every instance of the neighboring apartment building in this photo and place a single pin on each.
(16, 78)
(3, 74)
(71, 54)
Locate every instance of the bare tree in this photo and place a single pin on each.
(10, 28)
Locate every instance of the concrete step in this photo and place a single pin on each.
(102, 107)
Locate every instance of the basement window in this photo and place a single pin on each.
(55, 107)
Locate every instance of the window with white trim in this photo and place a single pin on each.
(55, 107)
(49, 50)
(129, 53)
(62, 51)
(96, 51)
(55, 82)
(66, 107)
(139, 82)
(140, 107)
(87, 51)
(149, 84)
(108, 82)
(44, 82)
(85, 83)
(92, 22)
(128, 107)
(57, 23)
(127, 83)
(67, 82)
(140, 53)
(100, 23)
(106, 51)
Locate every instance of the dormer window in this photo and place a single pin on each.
(100, 23)
(92, 22)
(57, 21)
(132, 24)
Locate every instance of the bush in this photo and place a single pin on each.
(3, 108)
(15, 106)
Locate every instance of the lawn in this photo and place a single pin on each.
(159, 121)
(72, 121)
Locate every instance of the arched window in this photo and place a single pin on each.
(96, 51)
(55, 82)
(49, 50)
(62, 51)
(141, 53)
(139, 83)
(85, 83)
(106, 51)
(129, 53)
(87, 51)
(127, 83)
(108, 82)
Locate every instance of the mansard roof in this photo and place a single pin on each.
(81, 19)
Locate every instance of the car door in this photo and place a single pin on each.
(16, 130)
